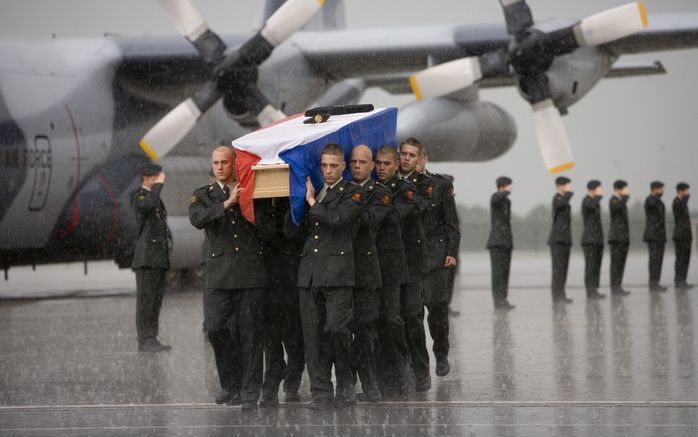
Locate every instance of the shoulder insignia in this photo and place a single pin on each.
(415, 180)
(140, 197)
(392, 185)
(410, 194)
(210, 187)
(429, 189)
(370, 187)
(341, 189)
(356, 196)
(193, 199)
(386, 200)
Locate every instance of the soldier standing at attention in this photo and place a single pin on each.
(151, 256)
(367, 272)
(326, 281)
(413, 238)
(392, 355)
(655, 234)
(560, 239)
(235, 282)
(592, 239)
(619, 235)
(500, 243)
(683, 236)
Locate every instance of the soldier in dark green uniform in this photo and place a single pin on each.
(235, 283)
(326, 281)
(392, 356)
(655, 234)
(619, 235)
(560, 239)
(367, 272)
(592, 239)
(413, 238)
(683, 236)
(282, 320)
(151, 256)
(500, 243)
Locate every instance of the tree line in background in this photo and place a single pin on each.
(531, 231)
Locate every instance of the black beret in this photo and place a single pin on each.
(682, 186)
(656, 184)
(149, 169)
(503, 181)
(562, 180)
(619, 184)
(593, 184)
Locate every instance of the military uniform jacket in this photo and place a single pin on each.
(152, 245)
(591, 216)
(440, 220)
(500, 217)
(327, 257)
(282, 253)
(655, 215)
(619, 232)
(235, 259)
(391, 249)
(367, 271)
(411, 214)
(561, 232)
(682, 220)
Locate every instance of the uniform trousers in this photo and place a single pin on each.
(412, 308)
(365, 342)
(560, 254)
(435, 296)
(392, 347)
(593, 256)
(500, 259)
(619, 254)
(233, 320)
(282, 330)
(150, 287)
(325, 314)
(683, 259)
(656, 258)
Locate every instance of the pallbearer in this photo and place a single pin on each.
(619, 235)
(655, 234)
(560, 239)
(592, 239)
(683, 235)
(500, 243)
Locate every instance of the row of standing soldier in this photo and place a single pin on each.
(360, 268)
(500, 242)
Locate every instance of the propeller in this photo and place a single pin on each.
(530, 54)
(233, 75)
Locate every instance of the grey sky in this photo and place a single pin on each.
(638, 129)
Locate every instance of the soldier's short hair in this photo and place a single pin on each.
(414, 142)
(682, 186)
(386, 149)
(503, 181)
(619, 184)
(655, 185)
(562, 180)
(333, 149)
(593, 184)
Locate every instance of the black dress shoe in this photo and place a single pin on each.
(657, 288)
(564, 300)
(269, 402)
(249, 405)
(452, 312)
(594, 294)
(370, 396)
(293, 397)
(620, 292)
(504, 306)
(442, 367)
(684, 286)
(226, 396)
(152, 345)
(422, 385)
(320, 404)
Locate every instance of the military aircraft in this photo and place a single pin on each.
(78, 117)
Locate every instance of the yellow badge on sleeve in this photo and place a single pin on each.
(356, 196)
(193, 199)
(386, 200)
(140, 197)
(410, 195)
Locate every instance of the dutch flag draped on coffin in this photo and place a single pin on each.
(299, 145)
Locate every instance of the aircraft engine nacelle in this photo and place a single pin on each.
(457, 130)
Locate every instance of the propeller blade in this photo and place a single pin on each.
(611, 25)
(552, 137)
(269, 115)
(445, 78)
(186, 18)
(290, 17)
(517, 15)
(169, 131)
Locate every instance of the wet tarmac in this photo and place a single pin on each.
(619, 366)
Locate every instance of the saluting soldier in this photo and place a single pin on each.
(655, 234)
(413, 238)
(441, 251)
(683, 236)
(326, 281)
(592, 239)
(367, 272)
(560, 239)
(392, 355)
(619, 235)
(151, 256)
(500, 243)
(235, 282)
(282, 320)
